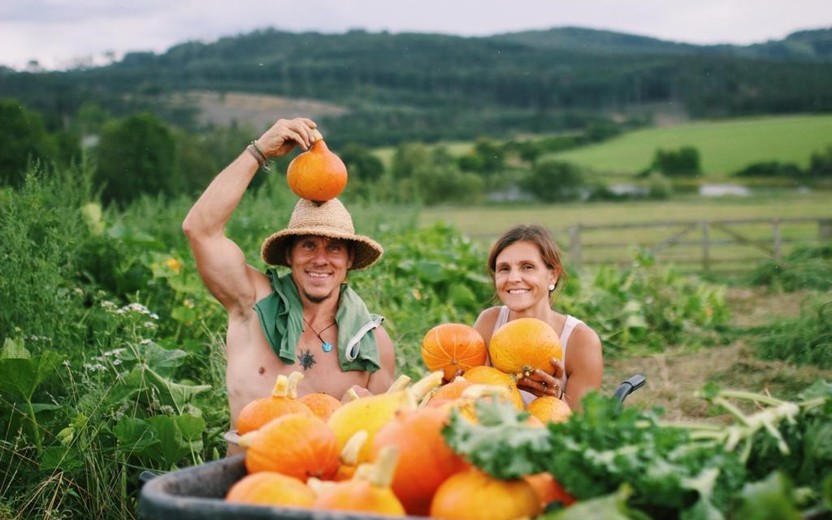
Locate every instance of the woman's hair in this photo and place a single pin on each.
(537, 235)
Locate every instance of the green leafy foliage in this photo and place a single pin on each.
(629, 464)
(803, 340)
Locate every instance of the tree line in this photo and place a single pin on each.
(423, 87)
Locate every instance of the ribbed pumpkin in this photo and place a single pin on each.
(370, 495)
(372, 412)
(270, 488)
(452, 347)
(320, 404)
(425, 460)
(548, 408)
(282, 401)
(298, 445)
(317, 174)
(475, 495)
(487, 375)
(523, 345)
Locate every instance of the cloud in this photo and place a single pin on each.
(57, 32)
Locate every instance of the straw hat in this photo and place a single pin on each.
(330, 219)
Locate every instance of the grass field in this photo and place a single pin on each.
(724, 146)
(616, 245)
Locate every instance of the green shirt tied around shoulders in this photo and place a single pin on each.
(281, 316)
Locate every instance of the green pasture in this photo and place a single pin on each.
(724, 146)
(674, 227)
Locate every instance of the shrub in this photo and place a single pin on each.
(770, 169)
(806, 267)
(683, 162)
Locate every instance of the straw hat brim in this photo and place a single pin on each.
(367, 250)
(328, 219)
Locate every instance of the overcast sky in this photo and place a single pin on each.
(59, 33)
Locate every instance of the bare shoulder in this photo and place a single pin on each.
(585, 335)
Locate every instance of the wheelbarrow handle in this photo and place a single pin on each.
(628, 386)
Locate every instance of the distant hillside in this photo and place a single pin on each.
(393, 87)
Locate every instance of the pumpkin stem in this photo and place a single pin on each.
(409, 402)
(292, 385)
(281, 386)
(423, 386)
(316, 136)
(385, 466)
(351, 395)
(400, 383)
(318, 486)
(349, 455)
(246, 440)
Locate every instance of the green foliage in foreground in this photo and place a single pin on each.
(112, 349)
(616, 459)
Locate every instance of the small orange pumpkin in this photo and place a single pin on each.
(282, 401)
(475, 495)
(317, 174)
(271, 488)
(523, 345)
(372, 494)
(487, 375)
(452, 347)
(548, 408)
(449, 391)
(299, 445)
(320, 404)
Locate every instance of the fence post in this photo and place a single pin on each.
(778, 241)
(575, 245)
(824, 230)
(706, 246)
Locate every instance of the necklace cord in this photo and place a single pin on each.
(318, 333)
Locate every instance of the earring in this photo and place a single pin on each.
(552, 286)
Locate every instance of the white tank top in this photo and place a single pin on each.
(568, 327)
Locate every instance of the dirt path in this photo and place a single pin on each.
(674, 377)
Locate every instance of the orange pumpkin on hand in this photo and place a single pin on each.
(317, 174)
(523, 345)
(453, 347)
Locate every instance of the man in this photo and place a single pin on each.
(308, 320)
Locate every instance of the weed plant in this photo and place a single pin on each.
(804, 340)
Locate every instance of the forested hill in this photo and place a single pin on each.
(430, 86)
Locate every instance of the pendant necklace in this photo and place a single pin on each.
(326, 346)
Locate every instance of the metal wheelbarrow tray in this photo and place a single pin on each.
(197, 493)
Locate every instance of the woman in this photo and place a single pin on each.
(526, 269)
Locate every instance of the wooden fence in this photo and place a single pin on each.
(709, 245)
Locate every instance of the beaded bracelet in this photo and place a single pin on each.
(258, 154)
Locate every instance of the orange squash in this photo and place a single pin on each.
(452, 347)
(487, 375)
(367, 495)
(317, 174)
(270, 488)
(523, 345)
(475, 495)
(299, 445)
(320, 404)
(282, 401)
(449, 391)
(548, 489)
(548, 408)
(425, 460)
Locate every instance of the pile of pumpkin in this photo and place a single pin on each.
(385, 454)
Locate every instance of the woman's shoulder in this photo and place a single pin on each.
(486, 320)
